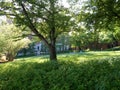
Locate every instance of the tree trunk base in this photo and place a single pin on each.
(53, 56)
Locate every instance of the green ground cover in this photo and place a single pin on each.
(73, 71)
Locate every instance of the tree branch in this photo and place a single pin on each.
(32, 27)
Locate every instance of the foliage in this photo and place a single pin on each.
(101, 18)
(116, 33)
(80, 39)
(105, 37)
(102, 13)
(29, 51)
(97, 74)
(63, 42)
(45, 18)
(11, 40)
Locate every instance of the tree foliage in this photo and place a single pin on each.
(102, 19)
(103, 13)
(45, 18)
(11, 41)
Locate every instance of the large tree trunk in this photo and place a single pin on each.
(52, 50)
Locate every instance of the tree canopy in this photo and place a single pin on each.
(103, 13)
(45, 18)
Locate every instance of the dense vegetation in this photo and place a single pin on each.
(80, 71)
(81, 26)
(11, 41)
(90, 23)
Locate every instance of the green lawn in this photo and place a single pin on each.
(75, 57)
(73, 71)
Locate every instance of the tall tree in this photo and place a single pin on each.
(45, 18)
(102, 13)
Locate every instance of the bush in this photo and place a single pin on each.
(91, 75)
(11, 40)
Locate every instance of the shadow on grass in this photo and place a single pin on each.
(64, 75)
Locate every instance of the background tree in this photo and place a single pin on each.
(102, 14)
(63, 42)
(80, 39)
(45, 18)
(11, 41)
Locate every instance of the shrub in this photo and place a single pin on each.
(63, 75)
(11, 41)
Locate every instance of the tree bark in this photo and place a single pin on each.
(52, 50)
(10, 57)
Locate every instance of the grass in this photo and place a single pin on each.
(117, 48)
(84, 56)
(74, 71)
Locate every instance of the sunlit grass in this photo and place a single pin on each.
(74, 56)
(88, 55)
